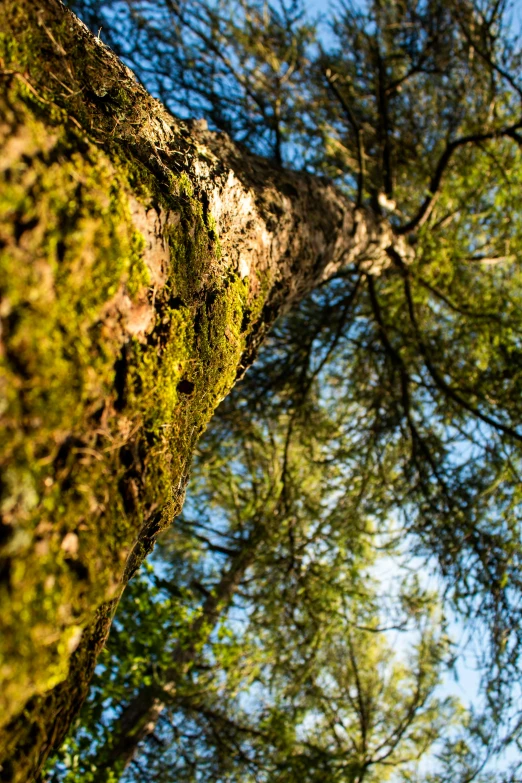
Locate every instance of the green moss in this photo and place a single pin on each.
(68, 246)
(73, 507)
(97, 427)
(185, 185)
(213, 234)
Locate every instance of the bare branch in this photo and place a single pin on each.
(331, 79)
(440, 169)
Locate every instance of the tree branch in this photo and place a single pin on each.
(440, 169)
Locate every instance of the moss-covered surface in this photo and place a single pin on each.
(97, 425)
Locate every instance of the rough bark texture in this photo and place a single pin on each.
(142, 261)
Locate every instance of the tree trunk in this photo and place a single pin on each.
(137, 721)
(142, 261)
(140, 716)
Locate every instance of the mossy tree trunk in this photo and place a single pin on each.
(142, 261)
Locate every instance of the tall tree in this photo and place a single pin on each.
(165, 251)
(123, 336)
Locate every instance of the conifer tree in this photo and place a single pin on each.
(145, 258)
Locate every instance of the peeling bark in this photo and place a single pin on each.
(143, 259)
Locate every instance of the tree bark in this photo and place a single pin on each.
(142, 261)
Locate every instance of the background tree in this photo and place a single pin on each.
(297, 674)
